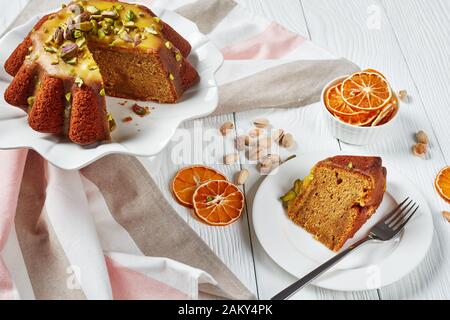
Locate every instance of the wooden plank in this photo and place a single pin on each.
(361, 32)
(426, 51)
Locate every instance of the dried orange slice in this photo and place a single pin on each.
(367, 91)
(387, 113)
(187, 180)
(337, 106)
(218, 203)
(335, 103)
(374, 71)
(360, 119)
(442, 184)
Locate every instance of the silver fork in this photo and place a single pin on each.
(387, 229)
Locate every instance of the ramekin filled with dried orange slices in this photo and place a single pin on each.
(361, 108)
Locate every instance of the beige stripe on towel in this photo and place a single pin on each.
(207, 14)
(46, 262)
(294, 84)
(136, 202)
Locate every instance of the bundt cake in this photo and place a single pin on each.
(88, 49)
(338, 197)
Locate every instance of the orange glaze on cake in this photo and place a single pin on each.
(73, 58)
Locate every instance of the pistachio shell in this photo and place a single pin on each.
(420, 150)
(226, 128)
(242, 177)
(287, 141)
(403, 95)
(422, 137)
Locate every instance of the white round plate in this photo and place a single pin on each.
(370, 267)
(143, 136)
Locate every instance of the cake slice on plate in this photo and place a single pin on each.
(338, 197)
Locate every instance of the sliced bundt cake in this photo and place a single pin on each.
(73, 58)
(338, 197)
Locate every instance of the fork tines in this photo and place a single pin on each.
(400, 216)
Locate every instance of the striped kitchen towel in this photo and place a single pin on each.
(106, 231)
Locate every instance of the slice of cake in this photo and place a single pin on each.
(338, 197)
(88, 49)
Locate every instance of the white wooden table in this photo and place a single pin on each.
(409, 41)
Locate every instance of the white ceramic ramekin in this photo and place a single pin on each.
(353, 134)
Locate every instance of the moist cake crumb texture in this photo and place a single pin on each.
(88, 49)
(340, 195)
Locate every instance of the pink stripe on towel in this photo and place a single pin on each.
(128, 284)
(12, 164)
(6, 284)
(274, 43)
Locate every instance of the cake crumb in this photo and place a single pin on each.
(123, 102)
(127, 119)
(140, 111)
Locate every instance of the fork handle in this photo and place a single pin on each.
(292, 289)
